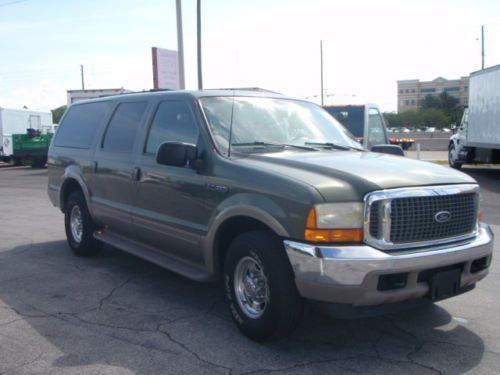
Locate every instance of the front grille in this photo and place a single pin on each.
(413, 218)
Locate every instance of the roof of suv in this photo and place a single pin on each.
(183, 94)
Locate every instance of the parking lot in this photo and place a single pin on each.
(117, 314)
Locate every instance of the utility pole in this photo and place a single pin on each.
(83, 80)
(180, 45)
(482, 46)
(198, 23)
(321, 63)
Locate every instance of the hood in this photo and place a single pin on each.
(335, 172)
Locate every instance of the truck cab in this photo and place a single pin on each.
(364, 121)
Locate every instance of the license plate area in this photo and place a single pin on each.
(444, 284)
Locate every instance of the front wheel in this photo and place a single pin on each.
(453, 157)
(260, 287)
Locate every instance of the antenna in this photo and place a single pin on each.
(231, 129)
(232, 107)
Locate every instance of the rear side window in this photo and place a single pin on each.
(122, 130)
(173, 122)
(81, 124)
(352, 117)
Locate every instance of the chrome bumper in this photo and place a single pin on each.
(350, 274)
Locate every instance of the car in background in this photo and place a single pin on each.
(364, 121)
(430, 129)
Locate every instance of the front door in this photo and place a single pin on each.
(169, 212)
(114, 172)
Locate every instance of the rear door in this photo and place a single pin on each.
(114, 171)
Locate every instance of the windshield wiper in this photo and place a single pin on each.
(259, 143)
(333, 145)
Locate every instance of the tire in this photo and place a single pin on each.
(452, 157)
(39, 162)
(278, 316)
(81, 240)
(16, 160)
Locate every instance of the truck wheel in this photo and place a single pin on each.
(80, 226)
(16, 160)
(453, 157)
(260, 287)
(39, 162)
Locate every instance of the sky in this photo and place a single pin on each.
(273, 44)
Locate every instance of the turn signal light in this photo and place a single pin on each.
(313, 234)
(334, 235)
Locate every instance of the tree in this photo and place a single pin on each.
(57, 113)
(430, 101)
(434, 117)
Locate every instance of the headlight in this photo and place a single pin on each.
(335, 222)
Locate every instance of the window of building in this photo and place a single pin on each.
(451, 89)
(407, 102)
(400, 91)
(173, 122)
(407, 91)
(413, 102)
(122, 130)
(80, 125)
(428, 89)
(413, 91)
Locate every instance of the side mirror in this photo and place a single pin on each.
(176, 154)
(388, 149)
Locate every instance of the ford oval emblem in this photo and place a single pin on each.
(442, 216)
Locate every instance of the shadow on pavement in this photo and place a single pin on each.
(117, 310)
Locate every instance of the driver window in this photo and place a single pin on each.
(376, 133)
(173, 122)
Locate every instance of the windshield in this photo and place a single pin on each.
(352, 117)
(271, 121)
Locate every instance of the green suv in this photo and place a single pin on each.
(268, 193)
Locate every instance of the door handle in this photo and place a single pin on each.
(136, 174)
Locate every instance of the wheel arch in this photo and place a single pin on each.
(72, 182)
(229, 225)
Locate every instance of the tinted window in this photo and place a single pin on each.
(173, 122)
(352, 117)
(122, 129)
(80, 124)
(376, 133)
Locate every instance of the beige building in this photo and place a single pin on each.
(412, 91)
(77, 95)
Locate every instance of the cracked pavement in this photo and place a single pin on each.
(117, 314)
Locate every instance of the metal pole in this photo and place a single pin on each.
(482, 46)
(83, 80)
(198, 18)
(180, 45)
(321, 55)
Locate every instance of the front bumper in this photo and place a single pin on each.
(350, 274)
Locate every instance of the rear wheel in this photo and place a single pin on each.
(80, 226)
(453, 157)
(260, 287)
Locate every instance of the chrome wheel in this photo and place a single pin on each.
(76, 224)
(251, 287)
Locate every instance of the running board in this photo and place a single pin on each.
(155, 256)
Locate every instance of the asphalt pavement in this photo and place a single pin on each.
(117, 314)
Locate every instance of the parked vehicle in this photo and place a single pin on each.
(404, 143)
(24, 135)
(478, 137)
(272, 195)
(364, 121)
(430, 129)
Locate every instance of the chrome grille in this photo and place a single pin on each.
(413, 219)
(408, 217)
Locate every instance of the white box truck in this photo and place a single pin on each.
(18, 121)
(477, 139)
